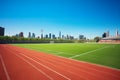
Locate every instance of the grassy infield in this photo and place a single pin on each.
(104, 54)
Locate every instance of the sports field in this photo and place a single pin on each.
(103, 54)
(18, 63)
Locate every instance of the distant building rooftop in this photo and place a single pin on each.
(112, 38)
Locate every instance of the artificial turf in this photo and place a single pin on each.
(103, 54)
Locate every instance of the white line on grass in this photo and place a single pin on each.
(89, 52)
(4, 67)
(93, 64)
(58, 52)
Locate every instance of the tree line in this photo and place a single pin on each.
(13, 39)
(8, 39)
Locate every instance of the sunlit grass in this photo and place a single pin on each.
(109, 56)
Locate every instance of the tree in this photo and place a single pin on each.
(104, 35)
(97, 38)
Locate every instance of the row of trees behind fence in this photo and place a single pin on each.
(8, 39)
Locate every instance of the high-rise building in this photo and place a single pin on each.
(59, 34)
(29, 35)
(107, 34)
(50, 35)
(41, 35)
(33, 35)
(81, 37)
(21, 34)
(63, 37)
(2, 31)
(117, 33)
(46, 36)
(71, 37)
(67, 36)
(53, 36)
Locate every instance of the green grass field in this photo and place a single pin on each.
(103, 54)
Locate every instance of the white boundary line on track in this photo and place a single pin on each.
(94, 65)
(4, 67)
(83, 61)
(41, 65)
(32, 65)
(35, 67)
(70, 71)
(46, 67)
(96, 69)
(88, 52)
(90, 63)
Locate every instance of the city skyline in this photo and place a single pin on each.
(105, 35)
(74, 17)
(49, 35)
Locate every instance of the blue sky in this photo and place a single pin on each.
(87, 17)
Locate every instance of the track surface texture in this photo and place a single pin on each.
(18, 63)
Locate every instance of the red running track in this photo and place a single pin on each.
(18, 63)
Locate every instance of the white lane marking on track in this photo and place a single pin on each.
(89, 52)
(67, 70)
(4, 67)
(94, 65)
(46, 67)
(90, 63)
(93, 74)
(42, 65)
(34, 67)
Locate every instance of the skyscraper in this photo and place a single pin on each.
(53, 36)
(59, 34)
(63, 37)
(50, 35)
(117, 33)
(81, 37)
(67, 36)
(33, 35)
(41, 33)
(29, 35)
(107, 34)
(2, 31)
(46, 36)
(21, 34)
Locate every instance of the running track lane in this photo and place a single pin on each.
(25, 64)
